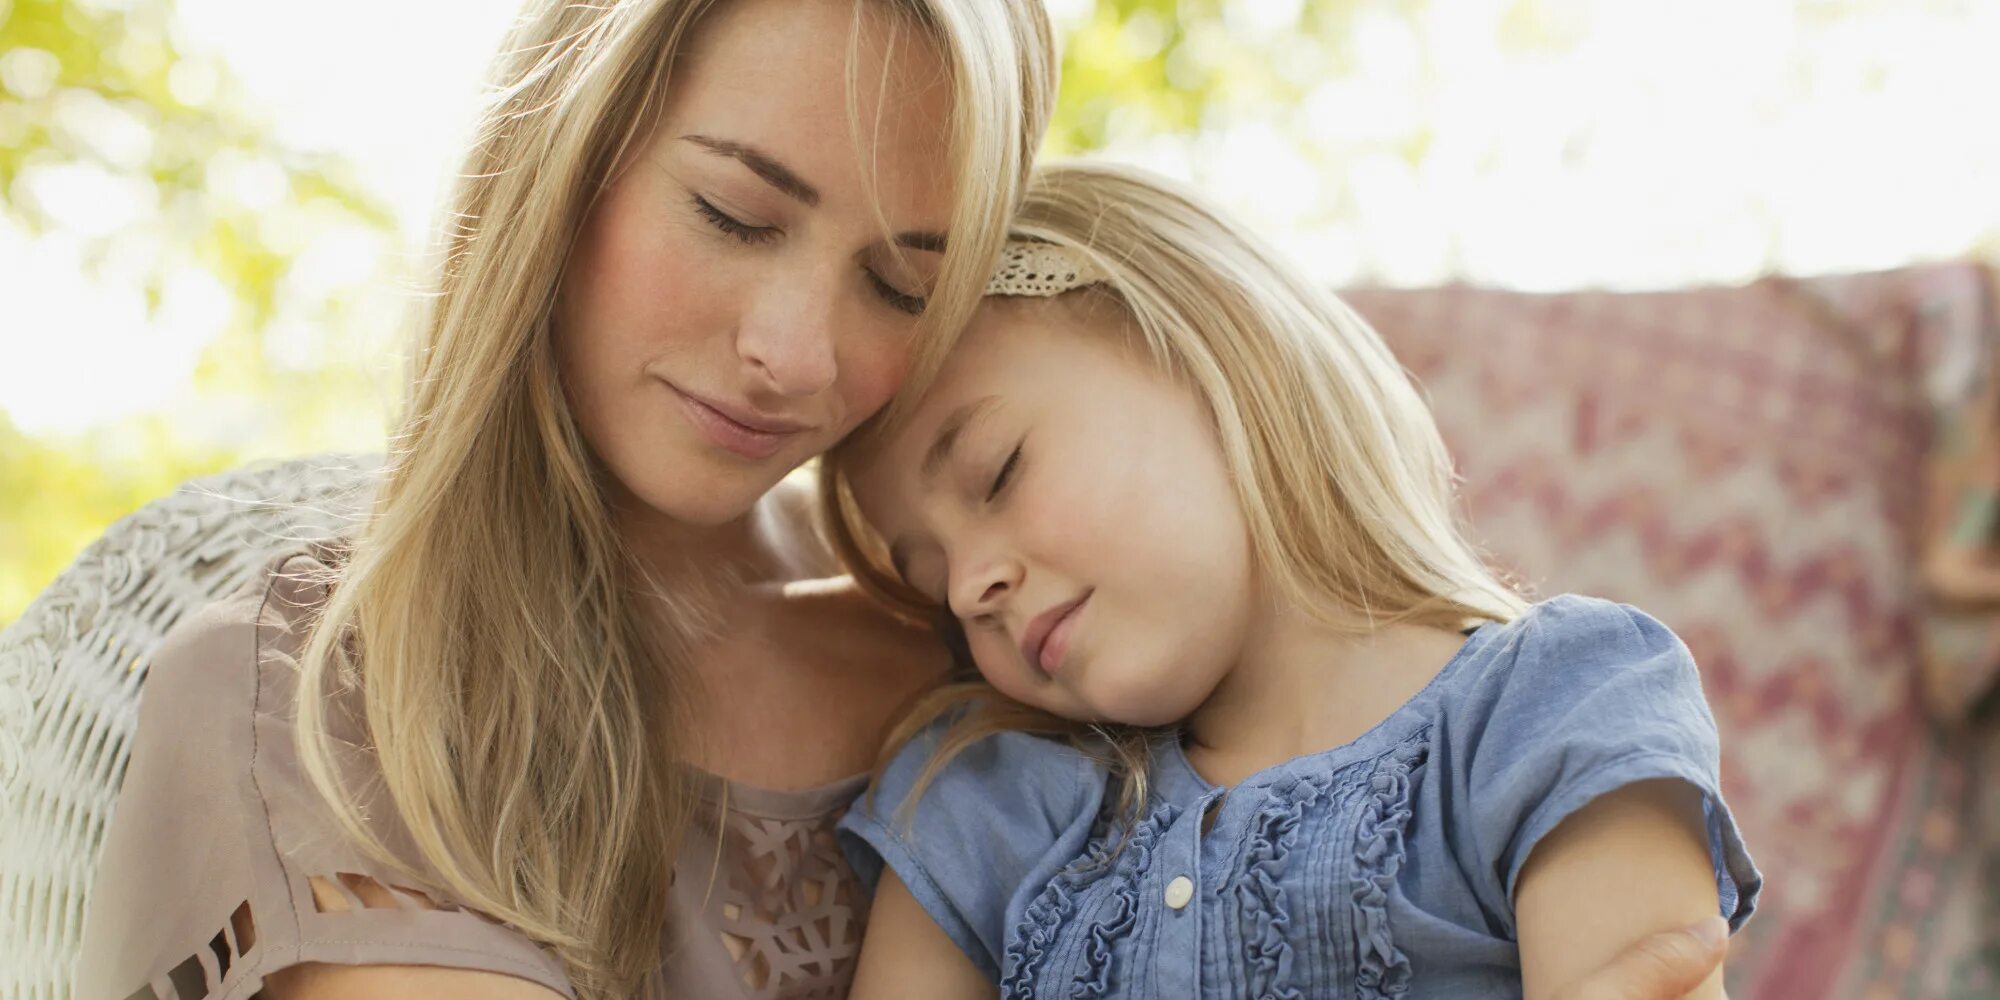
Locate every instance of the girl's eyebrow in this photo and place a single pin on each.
(949, 432)
(935, 459)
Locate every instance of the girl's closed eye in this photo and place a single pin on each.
(1006, 473)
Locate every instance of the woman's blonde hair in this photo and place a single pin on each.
(519, 684)
(1342, 475)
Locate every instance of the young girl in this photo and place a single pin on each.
(1191, 520)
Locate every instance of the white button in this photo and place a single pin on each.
(1179, 891)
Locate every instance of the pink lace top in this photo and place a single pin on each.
(221, 864)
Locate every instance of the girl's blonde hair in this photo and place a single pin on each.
(516, 668)
(1342, 475)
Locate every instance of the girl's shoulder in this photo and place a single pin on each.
(1580, 627)
(1575, 698)
(1008, 811)
(1568, 648)
(1005, 783)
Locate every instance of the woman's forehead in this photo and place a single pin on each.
(763, 73)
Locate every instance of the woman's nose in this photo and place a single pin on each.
(788, 334)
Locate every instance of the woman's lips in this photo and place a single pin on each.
(730, 433)
(1047, 642)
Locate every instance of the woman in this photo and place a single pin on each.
(694, 244)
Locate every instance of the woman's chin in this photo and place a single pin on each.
(704, 501)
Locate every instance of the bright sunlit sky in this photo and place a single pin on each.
(1700, 140)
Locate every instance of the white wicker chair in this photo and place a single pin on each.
(72, 667)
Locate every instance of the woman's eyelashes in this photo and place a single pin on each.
(912, 304)
(746, 233)
(742, 231)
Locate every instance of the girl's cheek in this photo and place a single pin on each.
(998, 661)
(1071, 505)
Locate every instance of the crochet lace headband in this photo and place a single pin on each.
(1040, 270)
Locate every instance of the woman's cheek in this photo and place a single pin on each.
(871, 374)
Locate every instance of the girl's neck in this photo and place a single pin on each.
(1302, 687)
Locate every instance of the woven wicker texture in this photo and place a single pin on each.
(71, 670)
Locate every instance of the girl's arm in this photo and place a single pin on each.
(1632, 862)
(906, 954)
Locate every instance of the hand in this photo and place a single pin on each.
(1664, 966)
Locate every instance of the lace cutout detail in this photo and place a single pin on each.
(195, 978)
(1040, 270)
(786, 907)
(345, 892)
(73, 665)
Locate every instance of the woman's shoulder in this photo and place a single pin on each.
(220, 840)
(225, 645)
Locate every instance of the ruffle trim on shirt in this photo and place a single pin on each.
(1261, 893)
(1043, 918)
(1382, 970)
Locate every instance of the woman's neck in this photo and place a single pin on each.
(773, 544)
(1302, 687)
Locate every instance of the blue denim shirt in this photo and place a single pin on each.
(1381, 868)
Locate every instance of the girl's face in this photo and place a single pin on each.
(733, 306)
(1072, 506)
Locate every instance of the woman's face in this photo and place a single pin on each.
(1073, 507)
(734, 304)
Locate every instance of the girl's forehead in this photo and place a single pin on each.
(1012, 347)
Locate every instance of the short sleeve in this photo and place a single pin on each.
(994, 825)
(1587, 696)
(205, 883)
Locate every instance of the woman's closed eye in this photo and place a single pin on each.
(742, 231)
(912, 304)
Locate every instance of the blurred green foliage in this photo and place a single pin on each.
(106, 88)
(1131, 67)
(1138, 67)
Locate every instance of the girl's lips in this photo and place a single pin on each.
(1047, 642)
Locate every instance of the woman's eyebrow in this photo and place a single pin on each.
(787, 180)
(763, 165)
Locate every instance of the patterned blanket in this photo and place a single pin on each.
(1756, 467)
